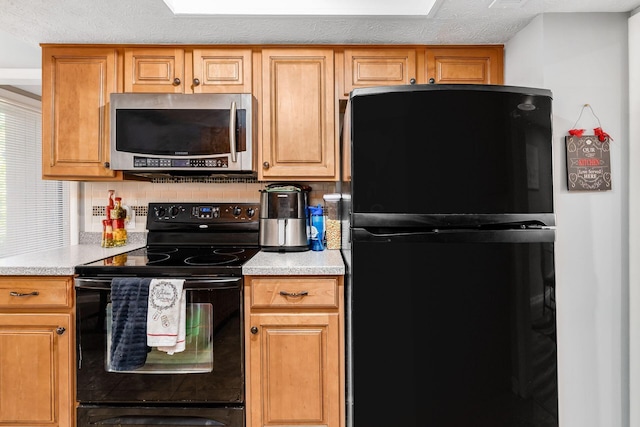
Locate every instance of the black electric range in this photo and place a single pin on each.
(206, 244)
(186, 240)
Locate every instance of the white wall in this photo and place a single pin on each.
(634, 214)
(582, 59)
(21, 64)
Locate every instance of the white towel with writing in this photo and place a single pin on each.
(182, 328)
(166, 316)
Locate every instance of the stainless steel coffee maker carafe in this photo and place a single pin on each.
(284, 218)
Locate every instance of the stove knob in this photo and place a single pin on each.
(251, 212)
(237, 211)
(175, 210)
(160, 211)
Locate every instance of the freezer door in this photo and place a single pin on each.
(451, 333)
(457, 149)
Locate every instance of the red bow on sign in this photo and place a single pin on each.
(576, 132)
(602, 135)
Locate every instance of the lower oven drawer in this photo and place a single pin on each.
(93, 416)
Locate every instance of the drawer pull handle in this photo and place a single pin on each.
(294, 294)
(20, 294)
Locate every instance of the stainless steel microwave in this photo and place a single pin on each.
(183, 134)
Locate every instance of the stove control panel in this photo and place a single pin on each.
(202, 212)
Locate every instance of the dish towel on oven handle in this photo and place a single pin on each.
(166, 317)
(129, 299)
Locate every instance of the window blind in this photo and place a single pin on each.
(33, 212)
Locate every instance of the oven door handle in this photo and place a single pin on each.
(189, 283)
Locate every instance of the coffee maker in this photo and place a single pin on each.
(284, 218)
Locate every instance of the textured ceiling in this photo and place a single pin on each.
(25, 24)
(151, 21)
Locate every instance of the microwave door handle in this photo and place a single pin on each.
(232, 132)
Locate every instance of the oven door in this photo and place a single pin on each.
(209, 371)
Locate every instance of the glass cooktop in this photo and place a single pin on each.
(172, 261)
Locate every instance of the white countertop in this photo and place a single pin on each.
(60, 261)
(295, 263)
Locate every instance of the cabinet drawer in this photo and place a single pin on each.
(34, 292)
(309, 292)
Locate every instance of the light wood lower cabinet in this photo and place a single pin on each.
(295, 351)
(36, 352)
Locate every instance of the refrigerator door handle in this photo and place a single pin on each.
(457, 235)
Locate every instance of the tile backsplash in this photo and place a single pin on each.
(135, 194)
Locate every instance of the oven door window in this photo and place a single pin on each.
(197, 356)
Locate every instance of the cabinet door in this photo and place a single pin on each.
(465, 64)
(36, 379)
(221, 71)
(294, 364)
(378, 67)
(298, 115)
(154, 70)
(76, 85)
(177, 70)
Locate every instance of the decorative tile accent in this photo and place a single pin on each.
(141, 210)
(101, 211)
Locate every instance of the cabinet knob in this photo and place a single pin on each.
(412, 81)
(265, 165)
(107, 165)
(176, 82)
(60, 330)
(196, 82)
(254, 330)
(432, 80)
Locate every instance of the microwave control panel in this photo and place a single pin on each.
(154, 162)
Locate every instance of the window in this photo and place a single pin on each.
(33, 212)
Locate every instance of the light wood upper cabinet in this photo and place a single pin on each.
(76, 85)
(465, 64)
(295, 351)
(36, 352)
(298, 115)
(378, 67)
(178, 70)
(298, 89)
(221, 71)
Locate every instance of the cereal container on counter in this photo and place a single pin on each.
(332, 226)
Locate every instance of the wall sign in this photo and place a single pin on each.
(588, 160)
(588, 164)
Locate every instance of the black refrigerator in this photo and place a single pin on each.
(448, 240)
